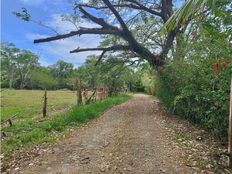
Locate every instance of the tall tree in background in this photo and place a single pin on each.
(62, 71)
(41, 78)
(25, 61)
(128, 15)
(8, 64)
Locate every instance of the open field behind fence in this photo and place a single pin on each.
(24, 104)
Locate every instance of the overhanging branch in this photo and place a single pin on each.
(123, 32)
(112, 48)
(79, 32)
(104, 50)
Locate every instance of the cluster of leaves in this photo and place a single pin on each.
(111, 72)
(149, 79)
(196, 83)
(24, 15)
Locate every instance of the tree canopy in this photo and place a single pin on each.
(131, 25)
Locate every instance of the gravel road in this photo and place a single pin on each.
(128, 138)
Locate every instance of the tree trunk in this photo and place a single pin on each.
(23, 78)
(23, 83)
(11, 77)
(79, 95)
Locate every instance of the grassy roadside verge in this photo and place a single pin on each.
(30, 133)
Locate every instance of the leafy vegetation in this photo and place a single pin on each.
(183, 58)
(112, 73)
(196, 83)
(21, 70)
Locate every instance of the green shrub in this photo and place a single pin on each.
(195, 84)
(195, 91)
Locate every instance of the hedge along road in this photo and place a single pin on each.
(129, 138)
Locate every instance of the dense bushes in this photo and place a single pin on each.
(199, 91)
(195, 83)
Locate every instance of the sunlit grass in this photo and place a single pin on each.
(29, 103)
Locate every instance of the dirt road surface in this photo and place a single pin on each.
(128, 138)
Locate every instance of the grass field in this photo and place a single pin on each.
(28, 103)
(30, 130)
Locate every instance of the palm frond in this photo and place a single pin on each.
(182, 15)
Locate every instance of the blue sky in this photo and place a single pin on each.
(23, 33)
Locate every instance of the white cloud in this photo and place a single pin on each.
(85, 1)
(46, 3)
(32, 36)
(32, 2)
(59, 24)
(62, 26)
(61, 48)
(43, 61)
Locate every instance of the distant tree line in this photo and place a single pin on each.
(20, 69)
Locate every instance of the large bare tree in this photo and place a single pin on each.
(115, 18)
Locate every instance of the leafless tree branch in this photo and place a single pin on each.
(136, 6)
(79, 32)
(112, 48)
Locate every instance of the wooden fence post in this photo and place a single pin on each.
(230, 129)
(4, 134)
(10, 122)
(79, 95)
(45, 104)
